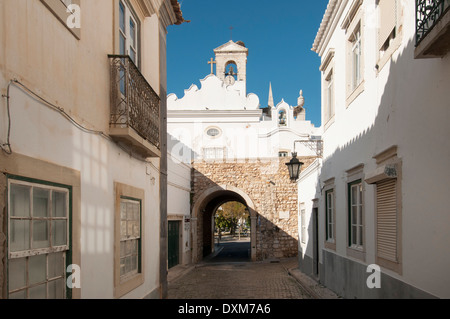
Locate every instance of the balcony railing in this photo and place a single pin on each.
(428, 13)
(134, 105)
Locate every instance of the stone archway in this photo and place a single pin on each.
(203, 210)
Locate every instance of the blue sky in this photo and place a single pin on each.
(279, 35)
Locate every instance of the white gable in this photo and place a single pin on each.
(214, 94)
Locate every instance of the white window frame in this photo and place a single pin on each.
(356, 53)
(393, 41)
(355, 176)
(46, 251)
(330, 215)
(131, 45)
(303, 225)
(219, 153)
(329, 81)
(356, 237)
(125, 283)
(354, 28)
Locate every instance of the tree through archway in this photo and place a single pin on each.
(232, 226)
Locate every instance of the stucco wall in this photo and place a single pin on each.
(74, 75)
(403, 103)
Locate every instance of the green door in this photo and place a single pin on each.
(174, 244)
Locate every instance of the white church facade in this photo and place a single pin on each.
(220, 120)
(223, 132)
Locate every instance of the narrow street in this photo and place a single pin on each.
(229, 274)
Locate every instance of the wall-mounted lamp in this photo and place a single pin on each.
(294, 167)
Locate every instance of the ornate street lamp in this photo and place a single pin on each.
(294, 167)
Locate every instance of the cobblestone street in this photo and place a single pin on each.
(238, 281)
(229, 275)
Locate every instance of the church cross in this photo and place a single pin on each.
(212, 62)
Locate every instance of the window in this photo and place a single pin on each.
(212, 153)
(283, 154)
(329, 96)
(129, 235)
(329, 216)
(356, 225)
(328, 76)
(128, 33)
(303, 224)
(356, 54)
(38, 239)
(213, 132)
(353, 24)
(386, 179)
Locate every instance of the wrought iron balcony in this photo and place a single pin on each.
(135, 108)
(432, 27)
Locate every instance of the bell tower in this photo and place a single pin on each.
(231, 62)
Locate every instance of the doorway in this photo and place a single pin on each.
(173, 244)
(316, 242)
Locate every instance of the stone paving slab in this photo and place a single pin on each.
(259, 280)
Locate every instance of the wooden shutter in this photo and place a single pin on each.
(387, 219)
(388, 20)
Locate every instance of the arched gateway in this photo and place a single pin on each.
(264, 187)
(203, 212)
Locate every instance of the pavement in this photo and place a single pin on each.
(242, 279)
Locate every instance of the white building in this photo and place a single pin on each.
(83, 158)
(220, 123)
(220, 120)
(378, 196)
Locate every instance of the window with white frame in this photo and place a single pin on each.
(356, 220)
(329, 215)
(211, 153)
(329, 95)
(38, 240)
(303, 225)
(353, 24)
(128, 32)
(356, 58)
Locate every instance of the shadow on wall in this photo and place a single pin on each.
(264, 188)
(413, 115)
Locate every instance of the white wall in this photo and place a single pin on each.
(44, 134)
(404, 104)
(239, 119)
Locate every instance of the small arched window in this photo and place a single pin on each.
(282, 118)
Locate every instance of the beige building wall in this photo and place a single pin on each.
(58, 85)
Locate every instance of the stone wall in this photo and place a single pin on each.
(274, 196)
